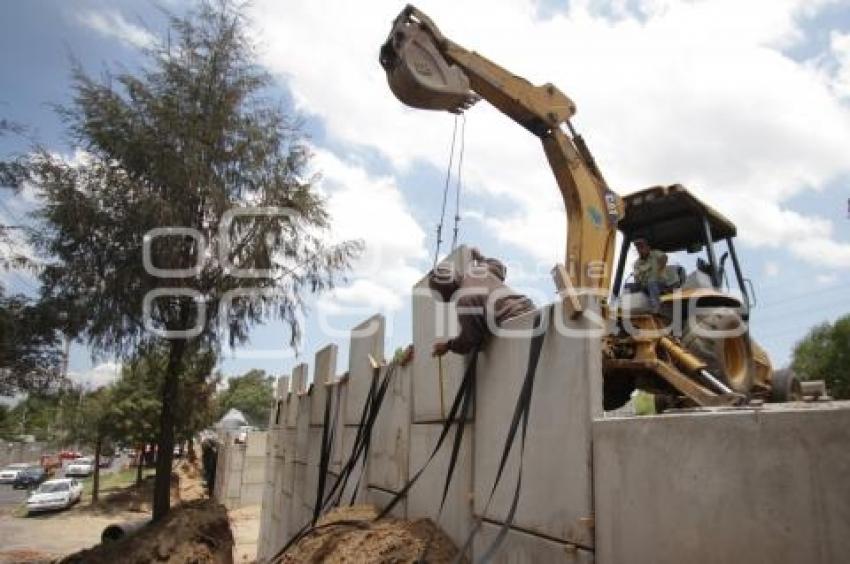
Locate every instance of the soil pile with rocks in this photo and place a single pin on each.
(196, 531)
(349, 535)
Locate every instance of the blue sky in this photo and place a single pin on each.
(748, 104)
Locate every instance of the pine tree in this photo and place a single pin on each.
(182, 144)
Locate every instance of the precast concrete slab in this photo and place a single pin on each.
(523, 548)
(766, 486)
(254, 470)
(302, 435)
(251, 494)
(299, 379)
(299, 495)
(367, 339)
(255, 443)
(423, 499)
(291, 410)
(357, 473)
(435, 380)
(340, 392)
(381, 498)
(282, 388)
(313, 461)
(390, 448)
(288, 472)
(556, 498)
(323, 374)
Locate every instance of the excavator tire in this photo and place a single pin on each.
(728, 358)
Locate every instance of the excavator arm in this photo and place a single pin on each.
(427, 70)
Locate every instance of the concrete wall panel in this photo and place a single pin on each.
(349, 434)
(762, 487)
(380, 498)
(433, 320)
(522, 548)
(424, 497)
(255, 443)
(323, 373)
(302, 435)
(556, 495)
(299, 379)
(367, 338)
(340, 392)
(389, 458)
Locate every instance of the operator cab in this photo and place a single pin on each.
(673, 220)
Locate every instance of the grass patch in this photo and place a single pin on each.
(113, 481)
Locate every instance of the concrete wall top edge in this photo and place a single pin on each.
(767, 410)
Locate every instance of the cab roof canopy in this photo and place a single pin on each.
(670, 218)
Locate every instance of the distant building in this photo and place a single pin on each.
(232, 421)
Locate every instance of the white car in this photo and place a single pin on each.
(10, 472)
(55, 494)
(83, 466)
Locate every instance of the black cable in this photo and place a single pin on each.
(445, 194)
(459, 180)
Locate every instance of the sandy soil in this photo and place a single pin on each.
(245, 524)
(349, 535)
(196, 531)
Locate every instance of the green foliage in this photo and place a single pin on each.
(824, 354)
(182, 143)
(136, 395)
(251, 393)
(30, 356)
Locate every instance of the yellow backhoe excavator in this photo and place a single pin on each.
(704, 356)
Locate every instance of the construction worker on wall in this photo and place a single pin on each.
(481, 296)
(651, 273)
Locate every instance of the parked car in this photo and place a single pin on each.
(10, 472)
(69, 455)
(83, 466)
(55, 494)
(105, 461)
(29, 478)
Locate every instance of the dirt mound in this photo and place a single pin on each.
(349, 535)
(190, 484)
(196, 532)
(23, 555)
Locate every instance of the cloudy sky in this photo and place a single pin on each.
(746, 103)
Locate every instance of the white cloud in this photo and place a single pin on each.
(97, 376)
(771, 269)
(840, 47)
(826, 279)
(112, 24)
(372, 209)
(667, 91)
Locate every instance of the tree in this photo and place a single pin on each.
(184, 143)
(824, 354)
(30, 356)
(96, 426)
(251, 393)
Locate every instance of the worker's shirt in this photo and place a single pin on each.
(482, 297)
(649, 269)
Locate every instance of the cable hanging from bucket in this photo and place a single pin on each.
(459, 180)
(447, 186)
(445, 195)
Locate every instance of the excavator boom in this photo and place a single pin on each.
(427, 70)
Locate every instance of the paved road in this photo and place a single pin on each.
(10, 498)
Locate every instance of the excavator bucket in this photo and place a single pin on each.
(418, 74)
